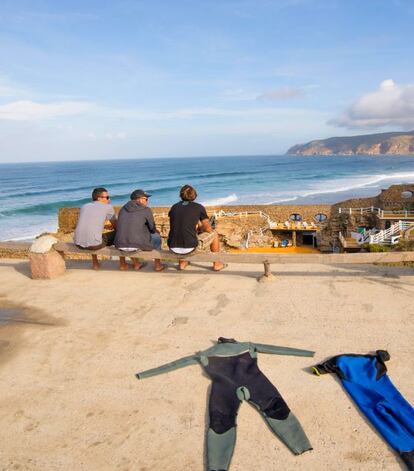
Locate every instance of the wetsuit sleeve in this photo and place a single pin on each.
(328, 366)
(331, 366)
(274, 349)
(174, 365)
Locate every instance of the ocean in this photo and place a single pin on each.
(32, 193)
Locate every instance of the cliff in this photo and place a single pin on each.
(390, 143)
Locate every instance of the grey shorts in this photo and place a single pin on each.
(204, 241)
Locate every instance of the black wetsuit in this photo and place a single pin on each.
(233, 369)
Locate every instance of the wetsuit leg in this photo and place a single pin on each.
(380, 401)
(221, 435)
(277, 414)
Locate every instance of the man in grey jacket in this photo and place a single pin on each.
(136, 229)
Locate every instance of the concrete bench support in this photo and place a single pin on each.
(45, 262)
(46, 266)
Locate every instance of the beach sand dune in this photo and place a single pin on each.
(70, 400)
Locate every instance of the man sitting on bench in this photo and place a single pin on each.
(136, 230)
(89, 230)
(190, 228)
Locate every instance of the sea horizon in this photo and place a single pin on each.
(32, 192)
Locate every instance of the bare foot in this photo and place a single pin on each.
(182, 264)
(123, 266)
(96, 266)
(218, 266)
(158, 266)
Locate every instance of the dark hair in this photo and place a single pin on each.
(97, 192)
(188, 193)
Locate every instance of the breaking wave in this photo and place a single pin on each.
(221, 201)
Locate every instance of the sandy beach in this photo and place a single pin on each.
(68, 355)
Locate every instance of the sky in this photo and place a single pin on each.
(102, 79)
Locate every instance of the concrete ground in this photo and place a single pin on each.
(69, 349)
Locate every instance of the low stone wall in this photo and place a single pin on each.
(68, 217)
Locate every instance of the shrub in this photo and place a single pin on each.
(405, 245)
(378, 248)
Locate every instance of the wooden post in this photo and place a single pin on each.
(268, 275)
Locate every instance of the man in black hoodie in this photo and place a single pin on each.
(136, 229)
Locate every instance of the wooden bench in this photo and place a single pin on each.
(65, 248)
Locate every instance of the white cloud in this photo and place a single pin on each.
(25, 110)
(390, 105)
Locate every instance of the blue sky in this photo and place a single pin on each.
(129, 78)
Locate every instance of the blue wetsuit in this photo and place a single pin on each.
(365, 379)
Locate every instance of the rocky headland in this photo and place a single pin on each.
(390, 143)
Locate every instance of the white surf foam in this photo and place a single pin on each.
(221, 201)
(27, 238)
(282, 200)
(340, 185)
(348, 184)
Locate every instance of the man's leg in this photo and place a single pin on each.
(108, 239)
(156, 242)
(95, 263)
(123, 264)
(215, 247)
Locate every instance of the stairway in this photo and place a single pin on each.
(389, 236)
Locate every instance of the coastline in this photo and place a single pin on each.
(226, 181)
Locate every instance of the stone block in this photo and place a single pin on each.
(46, 266)
(43, 244)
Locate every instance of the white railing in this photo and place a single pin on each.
(292, 225)
(382, 213)
(241, 214)
(370, 209)
(342, 239)
(390, 235)
(249, 234)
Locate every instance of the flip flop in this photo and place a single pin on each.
(143, 264)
